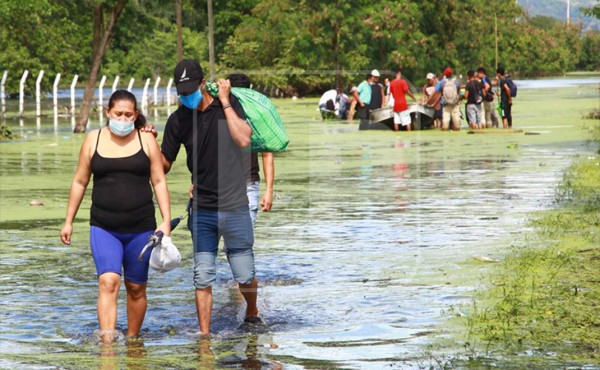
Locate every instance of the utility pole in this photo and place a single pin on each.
(496, 34)
(179, 33)
(211, 40)
(568, 12)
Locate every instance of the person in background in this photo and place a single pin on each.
(432, 98)
(213, 132)
(342, 104)
(327, 104)
(252, 169)
(377, 91)
(386, 95)
(362, 96)
(398, 90)
(505, 98)
(450, 100)
(353, 101)
(474, 98)
(124, 163)
(489, 103)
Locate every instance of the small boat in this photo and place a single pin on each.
(383, 118)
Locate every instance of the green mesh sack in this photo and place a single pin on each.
(268, 134)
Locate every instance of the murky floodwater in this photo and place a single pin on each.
(372, 238)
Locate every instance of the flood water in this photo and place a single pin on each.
(373, 238)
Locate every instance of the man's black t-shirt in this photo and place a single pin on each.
(475, 89)
(213, 158)
(503, 95)
(376, 97)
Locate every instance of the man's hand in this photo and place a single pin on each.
(149, 128)
(267, 201)
(224, 91)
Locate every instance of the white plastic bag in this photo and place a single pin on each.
(165, 256)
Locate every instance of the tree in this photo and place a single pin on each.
(593, 11)
(101, 37)
(41, 34)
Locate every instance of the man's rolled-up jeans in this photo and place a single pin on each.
(207, 228)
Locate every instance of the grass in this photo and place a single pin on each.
(544, 298)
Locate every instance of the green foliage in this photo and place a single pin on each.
(42, 34)
(589, 59)
(294, 45)
(593, 11)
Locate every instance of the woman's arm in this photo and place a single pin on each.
(266, 201)
(78, 186)
(159, 181)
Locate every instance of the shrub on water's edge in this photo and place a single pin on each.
(545, 295)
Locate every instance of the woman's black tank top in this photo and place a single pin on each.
(122, 195)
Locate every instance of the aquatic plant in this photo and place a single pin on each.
(545, 295)
(5, 133)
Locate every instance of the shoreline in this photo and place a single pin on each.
(542, 298)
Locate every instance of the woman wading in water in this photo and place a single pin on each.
(124, 162)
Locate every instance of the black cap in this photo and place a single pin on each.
(187, 76)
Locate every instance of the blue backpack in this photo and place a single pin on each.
(512, 87)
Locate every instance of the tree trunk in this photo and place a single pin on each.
(179, 32)
(101, 38)
(211, 40)
(336, 54)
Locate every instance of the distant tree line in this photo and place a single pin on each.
(293, 45)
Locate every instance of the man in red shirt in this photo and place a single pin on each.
(398, 90)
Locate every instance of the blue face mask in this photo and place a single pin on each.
(120, 128)
(192, 100)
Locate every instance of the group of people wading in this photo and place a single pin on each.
(485, 99)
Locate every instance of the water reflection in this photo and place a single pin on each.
(135, 354)
(367, 245)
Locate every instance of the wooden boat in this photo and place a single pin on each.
(383, 118)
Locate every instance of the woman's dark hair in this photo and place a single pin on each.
(119, 95)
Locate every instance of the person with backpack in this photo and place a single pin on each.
(449, 87)
(489, 103)
(473, 95)
(508, 90)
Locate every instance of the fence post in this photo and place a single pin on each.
(38, 108)
(114, 87)
(145, 97)
(156, 90)
(73, 94)
(4, 76)
(101, 92)
(169, 92)
(22, 92)
(55, 94)
(130, 84)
